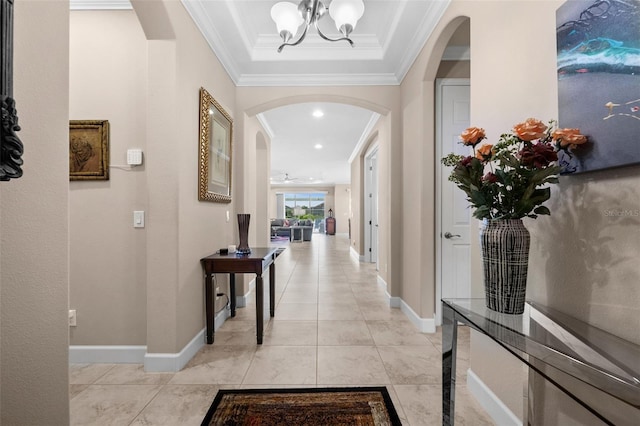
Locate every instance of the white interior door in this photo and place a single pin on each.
(371, 210)
(374, 210)
(454, 249)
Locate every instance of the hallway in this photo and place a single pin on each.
(333, 327)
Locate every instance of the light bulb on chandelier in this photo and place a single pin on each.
(289, 18)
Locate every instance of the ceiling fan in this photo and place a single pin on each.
(285, 178)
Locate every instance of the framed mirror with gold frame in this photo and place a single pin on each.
(214, 159)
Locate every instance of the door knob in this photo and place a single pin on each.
(449, 235)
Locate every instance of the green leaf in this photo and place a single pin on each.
(481, 212)
(477, 198)
(542, 210)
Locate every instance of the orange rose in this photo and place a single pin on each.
(569, 137)
(530, 130)
(484, 152)
(472, 136)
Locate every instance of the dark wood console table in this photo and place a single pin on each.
(255, 263)
(541, 338)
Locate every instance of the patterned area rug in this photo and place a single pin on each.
(309, 407)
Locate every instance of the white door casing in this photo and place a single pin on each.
(453, 250)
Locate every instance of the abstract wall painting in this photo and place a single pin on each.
(598, 60)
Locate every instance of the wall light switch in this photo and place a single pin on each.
(138, 219)
(227, 215)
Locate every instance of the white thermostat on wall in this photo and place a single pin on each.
(134, 157)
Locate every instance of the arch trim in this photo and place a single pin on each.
(298, 99)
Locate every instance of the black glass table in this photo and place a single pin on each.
(544, 337)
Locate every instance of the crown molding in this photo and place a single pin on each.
(100, 5)
(426, 28)
(211, 36)
(237, 19)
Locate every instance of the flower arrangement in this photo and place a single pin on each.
(509, 180)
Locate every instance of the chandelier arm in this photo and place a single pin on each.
(297, 42)
(332, 39)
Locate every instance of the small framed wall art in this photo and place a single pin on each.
(89, 150)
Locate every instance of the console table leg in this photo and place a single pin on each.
(259, 307)
(449, 344)
(232, 294)
(272, 289)
(208, 295)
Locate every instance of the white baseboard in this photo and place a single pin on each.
(356, 255)
(382, 283)
(498, 411)
(425, 325)
(243, 301)
(170, 362)
(107, 354)
(155, 362)
(394, 302)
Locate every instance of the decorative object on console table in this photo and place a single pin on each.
(11, 148)
(506, 182)
(505, 258)
(330, 224)
(243, 231)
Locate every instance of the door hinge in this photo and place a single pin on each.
(370, 223)
(369, 249)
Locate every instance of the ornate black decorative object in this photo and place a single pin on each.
(10, 145)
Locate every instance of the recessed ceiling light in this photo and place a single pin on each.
(317, 146)
(317, 113)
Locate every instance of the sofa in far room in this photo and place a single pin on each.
(282, 228)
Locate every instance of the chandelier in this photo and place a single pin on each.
(289, 18)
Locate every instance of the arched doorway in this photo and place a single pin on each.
(262, 190)
(453, 220)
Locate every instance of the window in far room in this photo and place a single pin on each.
(305, 205)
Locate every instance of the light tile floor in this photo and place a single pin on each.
(333, 327)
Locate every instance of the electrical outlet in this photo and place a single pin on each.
(217, 293)
(72, 318)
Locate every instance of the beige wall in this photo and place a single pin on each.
(146, 287)
(388, 150)
(196, 228)
(582, 260)
(34, 274)
(341, 208)
(107, 81)
(418, 171)
(592, 285)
